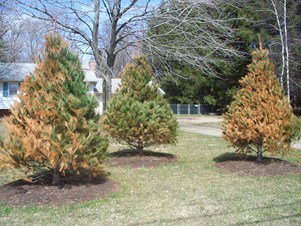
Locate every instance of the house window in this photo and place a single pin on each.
(10, 89)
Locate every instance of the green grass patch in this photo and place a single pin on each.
(189, 192)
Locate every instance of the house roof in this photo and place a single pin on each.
(15, 71)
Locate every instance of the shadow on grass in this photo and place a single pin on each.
(225, 157)
(232, 156)
(132, 158)
(133, 153)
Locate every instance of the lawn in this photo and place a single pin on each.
(189, 192)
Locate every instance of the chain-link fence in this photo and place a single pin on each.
(191, 109)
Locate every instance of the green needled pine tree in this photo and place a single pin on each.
(138, 115)
(55, 126)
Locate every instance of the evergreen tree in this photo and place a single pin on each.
(55, 126)
(260, 119)
(137, 114)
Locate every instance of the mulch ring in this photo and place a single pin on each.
(69, 191)
(136, 160)
(247, 165)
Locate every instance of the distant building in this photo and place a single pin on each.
(13, 74)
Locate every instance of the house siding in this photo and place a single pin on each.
(6, 102)
(1, 89)
(17, 72)
(99, 109)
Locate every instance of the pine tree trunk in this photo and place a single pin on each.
(259, 154)
(56, 177)
(140, 147)
(140, 151)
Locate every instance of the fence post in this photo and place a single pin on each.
(178, 109)
(199, 109)
(188, 109)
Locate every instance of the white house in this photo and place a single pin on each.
(12, 74)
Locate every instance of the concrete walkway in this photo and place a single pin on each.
(191, 124)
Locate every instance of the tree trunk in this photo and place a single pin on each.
(282, 43)
(259, 154)
(140, 147)
(111, 60)
(56, 177)
(107, 92)
(286, 50)
(140, 150)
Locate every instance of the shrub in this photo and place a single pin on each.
(55, 126)
(137, 114)
(260, 119)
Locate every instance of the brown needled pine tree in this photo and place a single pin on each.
(260, 119)
(54, 129)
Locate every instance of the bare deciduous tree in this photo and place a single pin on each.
(196, 33)
(286, 49)
(28, 35)
(128, 23)
(21, 36)
(279, 8)
(5, 54)
(84, 20)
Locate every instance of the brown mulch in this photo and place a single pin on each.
(136, 160)
(69, 191)
(247, 165)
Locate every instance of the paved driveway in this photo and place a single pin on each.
(193, 124)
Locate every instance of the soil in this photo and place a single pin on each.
(138, 160)
(77, 189)
(249, 166)
(69, 191)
